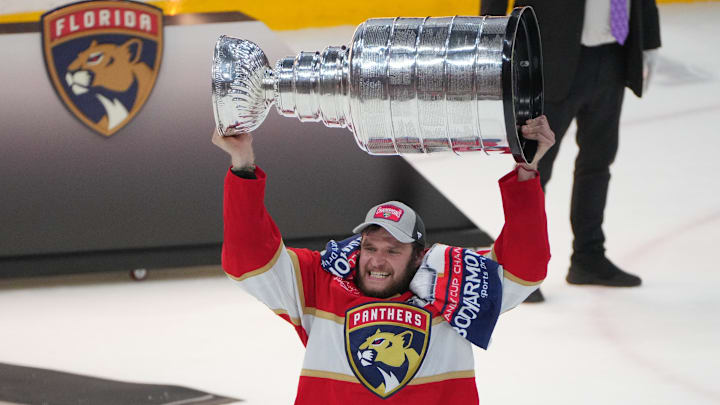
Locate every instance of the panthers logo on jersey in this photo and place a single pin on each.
(103, 58)
(385, 343)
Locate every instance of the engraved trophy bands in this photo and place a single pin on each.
(405, 85)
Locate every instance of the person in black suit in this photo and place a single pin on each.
(587, 63)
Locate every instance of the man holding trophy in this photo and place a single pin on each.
(384, 318)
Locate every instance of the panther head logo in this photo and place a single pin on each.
(107, 69)
(390, 353)
(103, 58)
(386, 343)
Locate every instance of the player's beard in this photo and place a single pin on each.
(399, 287)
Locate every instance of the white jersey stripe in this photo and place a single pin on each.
(276, 285)
(298, 277)
(326, 349)
(514, 293)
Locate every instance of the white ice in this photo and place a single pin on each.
(657, 344)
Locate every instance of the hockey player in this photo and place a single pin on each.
(385, 320)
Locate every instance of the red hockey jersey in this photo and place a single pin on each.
(362, 350)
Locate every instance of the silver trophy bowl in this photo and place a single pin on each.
(405, 85)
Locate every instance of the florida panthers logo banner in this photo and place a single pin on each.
(103, 58)
(386, 343)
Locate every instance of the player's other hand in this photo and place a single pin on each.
(239, 147)
(539, 130)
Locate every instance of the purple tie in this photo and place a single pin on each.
(619, 20)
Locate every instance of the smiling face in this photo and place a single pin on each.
(386, 265)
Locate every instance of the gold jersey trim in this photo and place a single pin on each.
(329, 375)
(293, 320)
(415, 381)
(518, 280)
(262, 269)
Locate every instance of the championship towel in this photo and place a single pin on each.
(464, 287)
(340, 258)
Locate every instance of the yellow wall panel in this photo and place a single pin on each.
(285, 15)
(293, 14)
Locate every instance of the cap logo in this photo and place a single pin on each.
(390, 212)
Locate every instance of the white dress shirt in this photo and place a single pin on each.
(596, 26)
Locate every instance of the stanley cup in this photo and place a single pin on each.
(405, 85)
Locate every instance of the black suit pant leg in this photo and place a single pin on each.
(595, 100)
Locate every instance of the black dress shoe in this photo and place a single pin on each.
(600, 272)
(535, 297)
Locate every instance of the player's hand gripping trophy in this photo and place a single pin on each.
(404, 85)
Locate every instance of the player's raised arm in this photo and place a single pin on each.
(522, 247)
(253, 251)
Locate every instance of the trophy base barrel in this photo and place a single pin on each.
(522, 80)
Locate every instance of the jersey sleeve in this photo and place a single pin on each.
(522, 248)
(254, 255)
(471, 289)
